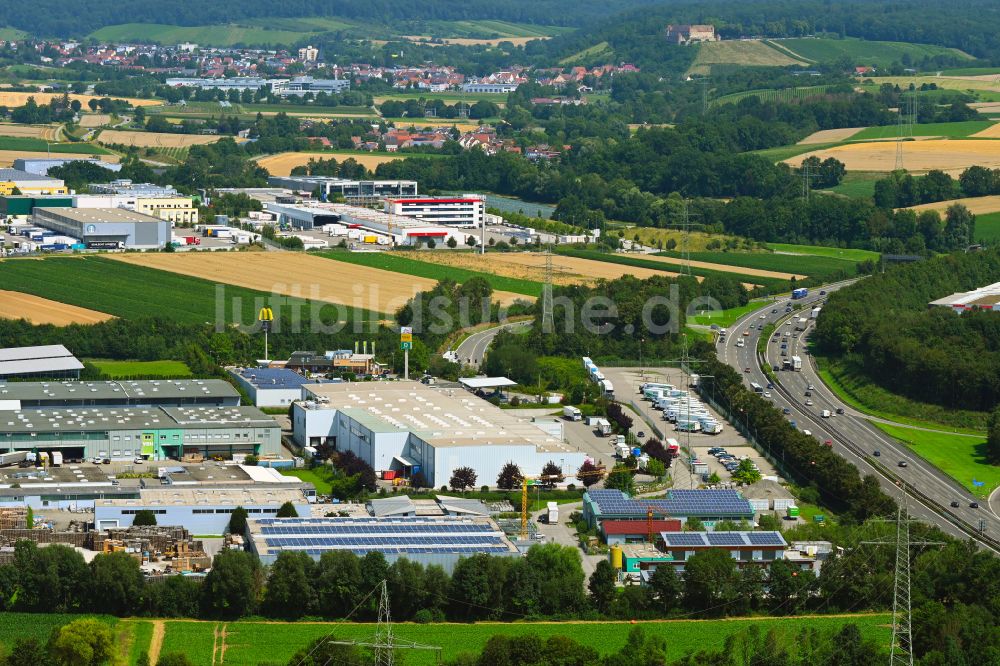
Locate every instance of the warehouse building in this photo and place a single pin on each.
(466, 211)
(40, 165)
(984, 298)
(139, 393)
(238, 83)
(128, 432)
(709, 506)
(396, 229)
(52, 361)
(407, 427)
(200, 510)
(126, 187)
(271, 387)
(427, 540)
(21, 205)
(105, 228)
(335, 362)
(29, 183)
(351, 190)
(301, 85)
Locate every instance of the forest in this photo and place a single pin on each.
(926, 353)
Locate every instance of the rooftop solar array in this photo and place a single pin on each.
(721, 539)
(677, 503)
(414, 534)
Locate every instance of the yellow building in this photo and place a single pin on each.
(29, 183)
(179, 211)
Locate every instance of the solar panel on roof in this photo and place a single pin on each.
(766, 539)
(682, 539)
(725, 539)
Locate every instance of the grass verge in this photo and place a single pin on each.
(821, 268)
(152, 369)
(41, 145)
(854, 388)
(826, 251)
(961, 458)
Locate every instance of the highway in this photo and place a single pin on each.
(852, 434)
(472, 350)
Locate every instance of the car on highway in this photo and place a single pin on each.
(973, 505)
(747, 370)
(876, 453)
(829, 443)
(784, 352)
(760, 317)
(840, 410)
(955, 504)
(822, 293)
(746, 333)
(809, 403)
(903, 463)
(770, 385)
(760, 327)
(811, 387)
(776, 368)
(809, 394)
(767, 394)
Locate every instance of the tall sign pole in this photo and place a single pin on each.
(265, 317)
(406, 343)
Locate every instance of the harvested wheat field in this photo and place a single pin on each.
(471, 41)
(38, 310)
(21, 98)
(7, 157)
(155, 139)
(91, 120)
(432, 123)
(531, 266)
(300, 275)
(283, 163)
(47, 132)
(830, 135)
(724, 268)
(952, 156)
(977, 205)
(991, 132)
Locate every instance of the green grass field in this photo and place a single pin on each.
(988, 228)
(214, 35)
(41, 146)
(12, 34)
(140, 636)
(854, 388)
(724, 318)
(314, 477)
(878, 54)
(488, 29)
(821, 268)
(857, 184)
(589, 53)
(950, 130)
(304, 24)
(772, 284)
(961, 458)
(825, 251)
(780, 153)
(151, 369)
(431, 271)
(255, 644)
(39, 626)
(129, 291)
(771, 94)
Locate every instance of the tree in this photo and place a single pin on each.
(553, 472)
(338, 583)
(325, 650)
(710, 581)
(558, 577)
(694, 524)
(144, 518)
(452, 243)
(588, 474)
(621, 478)
(116, 583)
(238, 521)
(287, 510)
(666, 587)
(290, 593)
(746, 472)
(601, 586)
(81, 643)
(230, 589)
(463, 478)
(510, 477)
(27, 652)
(656, 468)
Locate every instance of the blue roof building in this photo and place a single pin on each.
(709, 506)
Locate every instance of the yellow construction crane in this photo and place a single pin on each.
(600, 472)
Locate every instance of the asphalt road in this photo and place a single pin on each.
(853, 436)
(472, 350)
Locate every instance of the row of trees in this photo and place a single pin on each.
(902, 189)
(929, 354)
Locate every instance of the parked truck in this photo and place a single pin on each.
(57, 459)
(572, 413)
(13, 457)
(602, 427)
(607, 388)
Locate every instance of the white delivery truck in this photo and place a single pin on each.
(797, 363)
(607, 388)
(553, 511)
(57, 459)
(572, 413)
(602, 427)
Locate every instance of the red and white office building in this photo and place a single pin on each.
(468, 210)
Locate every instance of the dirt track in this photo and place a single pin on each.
(38, 310)
(299, 275)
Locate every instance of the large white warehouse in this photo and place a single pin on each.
(408, 427)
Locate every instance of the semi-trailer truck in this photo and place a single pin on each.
(572, 413)
(801, 292)
(797, 363)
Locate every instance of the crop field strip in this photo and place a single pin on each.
(411, 263)
(135, 291)
(822, 268)
(283, 163)
(976, 205)
(248, 643)
(37, 310)
(8, 98)
(746, 53)
(298, 275)
(950, 155)
(156, 139)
